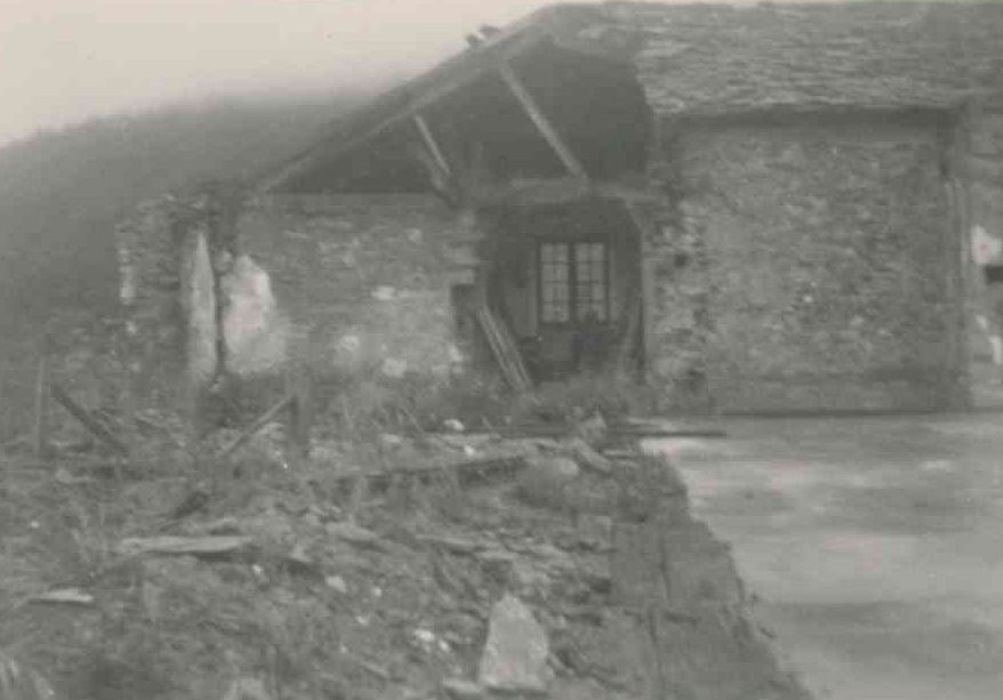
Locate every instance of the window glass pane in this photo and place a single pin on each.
(590, 279)
(555, 276)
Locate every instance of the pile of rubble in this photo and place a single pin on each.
(464, 567)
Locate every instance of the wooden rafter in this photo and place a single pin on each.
(440, 180)
(456, 74)
(541, 121)
(431, 143)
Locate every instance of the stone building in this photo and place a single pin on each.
(768, 208)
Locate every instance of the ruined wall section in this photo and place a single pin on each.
(157, 247)
(979, 177)
(365, 280)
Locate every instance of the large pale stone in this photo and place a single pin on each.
(256, 332)
(200, 301)
(515, 655)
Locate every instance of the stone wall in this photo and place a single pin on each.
(980, 181)
(808, 265)
(348, 285)
(151, 245)
(364, 280)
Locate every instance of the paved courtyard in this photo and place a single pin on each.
(875, 546)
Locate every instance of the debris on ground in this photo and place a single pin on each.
(457, 566)
(515, 654)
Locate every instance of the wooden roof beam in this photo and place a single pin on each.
(463, 70)
(540, 120)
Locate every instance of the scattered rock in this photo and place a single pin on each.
(352, 533)
(595, 531)
(247, 689)
(457, 545)
(459, 689)
(384, 293)
(515, 654)
(336, 583)
(391, 441)
(587, 457)
(394, 368)
(546, 481)
(555, 468)
(453, 425)
(68, 596)
(593, 429)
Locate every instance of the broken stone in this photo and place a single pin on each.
(68, 596)
(593, 429)
(555, 468)
(336, 583)
(352, 533)
(546, 483)
(587, 457)
(459, 689)
(595, 530)
(384, 293)
(247, 689)
(391, 441)
(394, 368)
(453, 425)
(515, 654)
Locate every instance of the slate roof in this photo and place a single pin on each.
(718, 59)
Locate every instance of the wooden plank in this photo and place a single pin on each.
(541, 121)
(85, 419)
(300, 415)
(633, 315)
(195, 546)
(259, 423)
(506, 353)
(39, 432)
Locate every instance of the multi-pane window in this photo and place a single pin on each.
(573, 282)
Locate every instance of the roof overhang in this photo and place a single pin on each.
(566, 26)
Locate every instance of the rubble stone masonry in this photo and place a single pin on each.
(343, 283)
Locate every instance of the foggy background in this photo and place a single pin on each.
(65, 60)
(108, 102)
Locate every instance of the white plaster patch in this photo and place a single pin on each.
(985, 248)
(256, 332)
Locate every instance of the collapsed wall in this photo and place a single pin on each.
(222, 284)
(368, 281)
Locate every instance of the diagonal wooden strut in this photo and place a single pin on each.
(541, 121)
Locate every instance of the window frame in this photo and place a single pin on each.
(571, 249)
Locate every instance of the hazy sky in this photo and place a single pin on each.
(62, 61)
